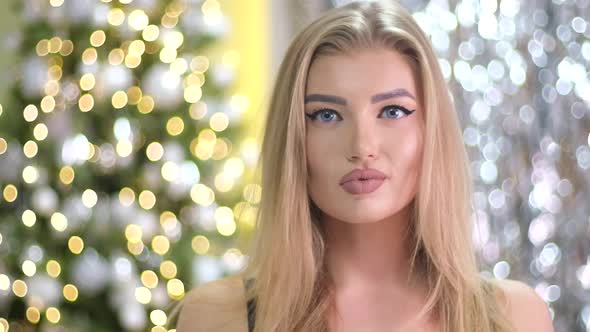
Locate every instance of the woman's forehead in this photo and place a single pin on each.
(374, 71)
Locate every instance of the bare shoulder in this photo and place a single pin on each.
(528, 310)
(214, 305)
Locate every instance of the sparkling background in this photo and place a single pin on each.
(123, 159)
(519, 74)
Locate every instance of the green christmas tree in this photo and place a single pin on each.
(121, 164)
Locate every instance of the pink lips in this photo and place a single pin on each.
(362, 181)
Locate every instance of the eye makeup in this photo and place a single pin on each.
(400, 110)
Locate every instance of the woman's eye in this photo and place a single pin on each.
(390, 112)
(396, 111)
(325, 115)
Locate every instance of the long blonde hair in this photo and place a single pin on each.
(290, 282)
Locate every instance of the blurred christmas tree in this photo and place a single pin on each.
(120, 169)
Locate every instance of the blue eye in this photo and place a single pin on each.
(398, 111)
(323, 114)
(327, 115)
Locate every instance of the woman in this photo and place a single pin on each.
(364, 223)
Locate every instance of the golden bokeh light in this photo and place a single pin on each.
(154, 151)
(168, 269)
(40, 131)
(29, 268)
(158, 317)
(53, 315)
(55, 73)
(119, 99)
(30, 149)
(86, 102)
(219, 121)
(55, 44)
(168, 220)
(48, 104)
(30, 113)
(146, 104)
(33, 315)
(67, 174)
(175, 289)
(143, 295)
(30, 174)
(87, 81)
(200, 244)
(53, 268)
(202, 195)
(89, 198)
(169, 21)
(67, 47)
(89, 56)
(132, 61)
(168, 54)
(179, 66)
(126, 196)
(193, 94)
(4, 282)
(116, 56)
(19, 288)
(52, 87)
(147, 199)
(10, 193)
(150, 33)
(223, 182)
(29, 218)
(76, 244)
(59, 221)
(198, 110)
(200, 63)
(203, 150)
(56, 3)
(170, 171)
(42, 47)
(207, 135)
(3, 146)
(149, 279)
(221, 149)
(133, 233)
(97, 38)
(138, 20)
(116, 16)
(134, 95)
(160, 244)
(234, 167)
(175, 126)
(70, 292)
(135, 248)
(195, 78)
(226, 225)
(124, 148)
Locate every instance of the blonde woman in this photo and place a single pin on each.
(364, 222)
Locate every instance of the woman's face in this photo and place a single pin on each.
(362, 111)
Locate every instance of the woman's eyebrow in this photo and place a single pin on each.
(375, 99)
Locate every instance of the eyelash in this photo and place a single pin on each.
(314, 115)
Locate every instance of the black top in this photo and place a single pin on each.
(251, 309)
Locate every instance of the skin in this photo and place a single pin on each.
(367, 251)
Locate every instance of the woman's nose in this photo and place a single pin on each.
(363, 140)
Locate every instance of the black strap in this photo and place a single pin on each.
(251, 309)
